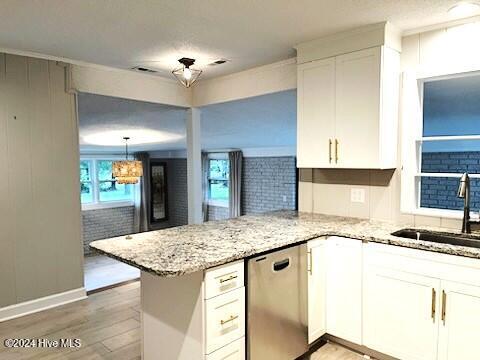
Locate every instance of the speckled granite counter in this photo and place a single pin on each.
(186, 249)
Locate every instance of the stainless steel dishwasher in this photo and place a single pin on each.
(277, 305)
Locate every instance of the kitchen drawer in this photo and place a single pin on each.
(232, 351)
(224, 278)
(224, 319)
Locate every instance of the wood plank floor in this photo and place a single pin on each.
(108, 324)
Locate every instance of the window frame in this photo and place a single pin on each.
(412, 158)
(215, 202)
(95, 184)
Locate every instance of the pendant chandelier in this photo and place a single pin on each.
(127, 171)
(186, 75)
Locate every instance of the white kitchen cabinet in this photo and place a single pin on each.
(348, 110)
(316, 289)
(459, 321)
(344, 288)
(316, 114)
(400, 313)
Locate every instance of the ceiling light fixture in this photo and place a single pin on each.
(464, 9)
(186, 75)
(127, 171)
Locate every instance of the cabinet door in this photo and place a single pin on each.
(401, 312)
(315, 113)
(460, 324)
(344, 288)
(316, 289)
(358, 109)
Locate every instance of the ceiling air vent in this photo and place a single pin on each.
(143, 69)
(218, 62)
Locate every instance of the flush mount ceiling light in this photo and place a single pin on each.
(186, 75)
(127, 171)
(464, 9)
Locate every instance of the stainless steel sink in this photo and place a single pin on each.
(440, 237)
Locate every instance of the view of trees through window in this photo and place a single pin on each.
(98, 185)
(218, 179)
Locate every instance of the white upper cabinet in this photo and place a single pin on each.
(347, 114)
(316, 108)
(357, 109)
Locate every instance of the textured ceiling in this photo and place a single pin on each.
(264, 121)
(125, 33)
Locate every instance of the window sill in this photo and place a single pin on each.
(107, 205)
(218, 203)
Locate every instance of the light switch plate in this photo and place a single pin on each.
(357, 195)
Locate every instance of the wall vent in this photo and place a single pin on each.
(143, 69)
(218, 62)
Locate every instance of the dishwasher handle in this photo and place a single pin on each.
(280, 265)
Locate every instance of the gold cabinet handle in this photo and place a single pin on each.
(434, 303)
(330, 151)
(336, 150)
(230, 278)
(230, 319)
(444, 306)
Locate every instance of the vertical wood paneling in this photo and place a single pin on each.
(20, 177)
(40, 242)
(65, 152)
(7, 239)
(44, 189)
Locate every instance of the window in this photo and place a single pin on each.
(99, 188)
(218, 173)
(450, 143)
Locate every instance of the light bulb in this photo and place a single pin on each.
(187, 73)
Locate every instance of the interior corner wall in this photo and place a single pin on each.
(40, 241)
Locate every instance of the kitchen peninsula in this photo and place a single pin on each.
(193, 277)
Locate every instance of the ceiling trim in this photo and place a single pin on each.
(440, 26)
(267, 79)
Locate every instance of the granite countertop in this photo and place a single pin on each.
(186, 249)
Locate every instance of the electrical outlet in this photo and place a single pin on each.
(357, 195)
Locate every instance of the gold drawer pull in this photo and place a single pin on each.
(230, 278)
(444, 306)
(330, 151)
(336, 150)
(434, 302)
(232, 317)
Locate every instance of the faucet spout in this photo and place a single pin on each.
(464, 193)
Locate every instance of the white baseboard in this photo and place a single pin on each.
(44, 303)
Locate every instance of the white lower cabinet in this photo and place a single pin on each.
(224, 319)
(400, 313)
(344, 288)
(232, 351)
(316, 289)
(459, 322)
(421, 305)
